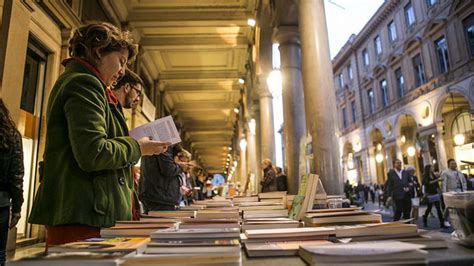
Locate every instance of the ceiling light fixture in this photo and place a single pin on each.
(251, 22)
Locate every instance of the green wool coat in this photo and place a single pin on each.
(86, 178)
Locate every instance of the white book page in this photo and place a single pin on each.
(162, 129)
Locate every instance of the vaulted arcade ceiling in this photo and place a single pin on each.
(198, 50)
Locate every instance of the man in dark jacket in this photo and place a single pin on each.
(159, 187)
(398, 188)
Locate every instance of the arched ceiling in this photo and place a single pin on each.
(197, 50)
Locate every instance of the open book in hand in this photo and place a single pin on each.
(162, 129)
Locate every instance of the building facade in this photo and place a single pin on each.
(405, 89)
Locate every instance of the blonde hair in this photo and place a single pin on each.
(94, 40)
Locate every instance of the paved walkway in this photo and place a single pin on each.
(433, 222)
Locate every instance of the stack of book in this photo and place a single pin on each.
(389, 230)
(276, 196)
(171, 214)
(340, 216)
(215, 203)
(136, 228)
(203, 246)
(131, 245)
(282, 242)
(287, 234)
(194, 234)
(364, 253)
(279, 248)
(93, 251)
(218, 214)
(269, 223)
(209, 223)
(201, 259)
(240, 199)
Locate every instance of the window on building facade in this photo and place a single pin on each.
(383, 92)
(400, 83)
(409, 14)
(392, 31)
(431, 3)
(442, 51)
(344, 118)
(378, 45)
(418, 69)
(340, 79)
(349, 72)
(469, 30)
(353, 111)
(371, 100)
(365, 57)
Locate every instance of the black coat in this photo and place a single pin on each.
(160, 181)
(394, 185)
(11, 176)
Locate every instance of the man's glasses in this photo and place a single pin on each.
(139, 92)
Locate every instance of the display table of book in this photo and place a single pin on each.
(259, 231)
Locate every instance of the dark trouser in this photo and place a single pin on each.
(437, 204)
(4, 219)
(402, 206)
(372, 197)
(151, 206)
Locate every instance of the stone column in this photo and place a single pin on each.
(320, 100)
(242, 162)
(440, 147)
(266, 124)
(389, 158)
(426, 150)
(251, 156)
(294, 127)
(398, 150)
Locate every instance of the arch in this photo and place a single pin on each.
(394, 58)
(405, 120)
(375, 135)
(438, 109)
(347, 148)
(433, 26)
(367, 79)
(379, 70)
(412, 44)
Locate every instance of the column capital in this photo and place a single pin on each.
(287, 35)
(426, 131)
(262, 88)
(389, 142)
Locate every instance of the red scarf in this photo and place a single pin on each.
(108, 92)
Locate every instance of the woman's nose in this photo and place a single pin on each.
(121, 71)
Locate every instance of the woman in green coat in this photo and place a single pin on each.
(85, 180)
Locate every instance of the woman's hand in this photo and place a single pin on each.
(152, 147)
(14, 219)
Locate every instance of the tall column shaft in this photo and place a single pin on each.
(251, 157)
(294, 127)
(398, 151)
(242, 166)
(389, 158)
(426, 151)
(441, 148)
(266, 124)
(320, 100)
